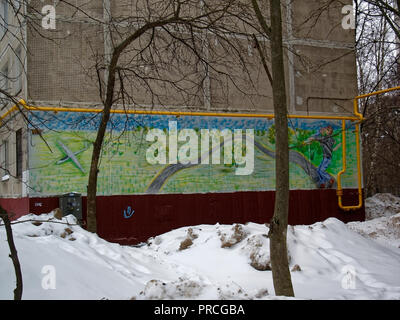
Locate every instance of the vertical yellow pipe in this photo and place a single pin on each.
(359, 166)
(339, 191)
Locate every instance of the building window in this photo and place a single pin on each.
(18, 70)
(3, 18)
(4, 158)
(19, 155)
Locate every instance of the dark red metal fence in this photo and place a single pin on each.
(16, 206)
(156, 214)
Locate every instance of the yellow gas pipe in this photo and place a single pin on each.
(358, 116)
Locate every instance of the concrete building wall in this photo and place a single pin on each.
(13, 81)
(320, 64)
(61, 64)
(61, 71)
(13, 183)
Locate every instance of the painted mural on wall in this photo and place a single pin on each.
(187, 154)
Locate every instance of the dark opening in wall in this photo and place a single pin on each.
(18, 149)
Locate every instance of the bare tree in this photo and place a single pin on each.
(159, 53)
(15, 17)
(10, 91)
(13, 254)
(162, 49)
(378, 68)
(279, 223)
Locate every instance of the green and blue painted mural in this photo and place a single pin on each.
(61, 147)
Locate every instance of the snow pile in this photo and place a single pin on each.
(86, 266)
(329, 260)
(385, 230)
(185, 288)
(381, 205)
(383, 220)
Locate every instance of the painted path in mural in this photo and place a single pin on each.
(294, 157)
(171, 169)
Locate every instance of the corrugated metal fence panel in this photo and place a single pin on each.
(15, 207)
(156, 214)
(129, 219)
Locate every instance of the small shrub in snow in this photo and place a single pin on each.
(67, 232)
(185, 244)
(259, 262)
(237, 235)
(191, 234)
(188, 241)
(257, 248)
(262, 293)
(58, 214)
(295, 268)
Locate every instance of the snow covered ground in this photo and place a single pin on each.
(329, 260)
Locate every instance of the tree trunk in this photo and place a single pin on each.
(13, 254)
(97, 145)
(278, 227)
(113, 58)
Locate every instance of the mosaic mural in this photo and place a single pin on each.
(61, 148)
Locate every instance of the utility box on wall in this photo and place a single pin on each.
(71, 203)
